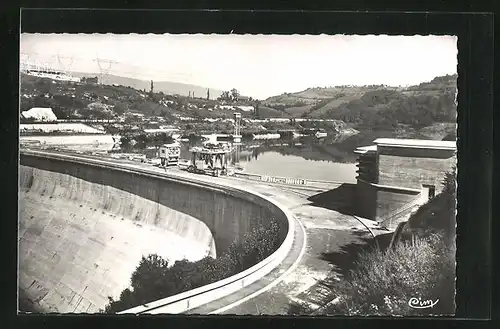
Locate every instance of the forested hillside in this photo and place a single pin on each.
(430, 105)
(375, 107)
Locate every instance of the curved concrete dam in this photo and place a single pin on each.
(83, 227)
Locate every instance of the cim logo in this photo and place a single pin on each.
(282, 180)
(421, 304)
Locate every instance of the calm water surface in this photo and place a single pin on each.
(303, 158)
(275, 164)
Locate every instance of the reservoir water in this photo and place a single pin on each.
(275, 164)
(304, 158)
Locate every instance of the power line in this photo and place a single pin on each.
(129, 68)
(105, 67)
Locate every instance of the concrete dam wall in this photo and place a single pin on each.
(83, 227)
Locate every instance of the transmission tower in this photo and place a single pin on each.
(65, 68)
(104, 70)
(45, 66)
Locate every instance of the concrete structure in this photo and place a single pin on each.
(237, 128)
(51, 74)
(397, 175)
(319, 231)
(93, 142)
(84, 226)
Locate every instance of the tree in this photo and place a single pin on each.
(120, 108)
(235, 94)
(153, 279)
(257, 104)
(149, 271)
(225, 96)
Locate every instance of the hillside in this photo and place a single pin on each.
(91, 101)
(267, 112)
(375, 107)
(167, 87)
(314, 101)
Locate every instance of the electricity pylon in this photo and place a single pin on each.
(65, 68)
(104, 70)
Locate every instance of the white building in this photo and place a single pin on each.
(40, 114)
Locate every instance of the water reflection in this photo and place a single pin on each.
(307, 158)
(307, 148)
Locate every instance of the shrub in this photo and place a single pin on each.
(437, 215)
(421, 266)
(384, 281)
(153, 279)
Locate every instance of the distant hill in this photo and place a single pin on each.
(97, 101)
(376, 106)
(70, 100)
(165, 86)
(315, 101)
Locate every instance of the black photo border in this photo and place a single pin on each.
(475, 141)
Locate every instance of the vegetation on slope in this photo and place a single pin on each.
(387, 110)
(436, 216)
(375, 107)
(421, 266)
(423, 111)
(154, 279)
(70, 100)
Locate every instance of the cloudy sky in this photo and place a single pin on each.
(258, 65)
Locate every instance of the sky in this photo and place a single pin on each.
(259, 66)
